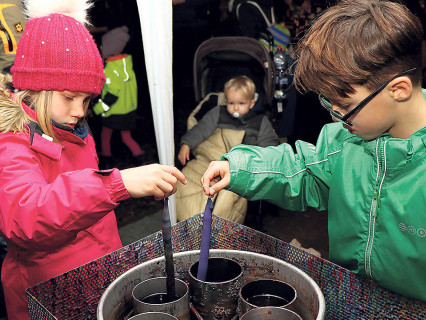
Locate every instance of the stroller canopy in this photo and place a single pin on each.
(219, 59)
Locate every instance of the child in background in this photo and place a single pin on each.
(221, 128)
(57, 207)
(368, 168)
(119, 98)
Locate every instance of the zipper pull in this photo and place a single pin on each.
(376, 203)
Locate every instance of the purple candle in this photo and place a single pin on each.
(205, 241)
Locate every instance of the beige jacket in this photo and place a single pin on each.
(190, 199)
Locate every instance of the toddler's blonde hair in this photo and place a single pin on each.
(242, 84)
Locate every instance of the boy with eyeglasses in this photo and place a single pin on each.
(368, 168)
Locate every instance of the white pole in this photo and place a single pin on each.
(157, 30)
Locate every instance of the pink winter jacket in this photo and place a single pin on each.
(56, 209)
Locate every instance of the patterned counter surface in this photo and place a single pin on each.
(75, 294)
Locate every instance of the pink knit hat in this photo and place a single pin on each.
(57, 52)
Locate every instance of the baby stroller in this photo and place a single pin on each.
(215, 62)
(219, 59)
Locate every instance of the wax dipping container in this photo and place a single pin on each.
(153, 316)
(151, 296)
(266, 293)
(116, 301)
(217, 297)
(270, 313)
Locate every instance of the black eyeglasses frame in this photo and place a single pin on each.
(344, 118)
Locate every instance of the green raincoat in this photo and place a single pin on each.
(375, 193)
(121, 84)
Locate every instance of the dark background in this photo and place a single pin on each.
(191, 28)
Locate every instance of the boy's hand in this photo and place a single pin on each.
(183, 155)
(216, 177)
(155, 180)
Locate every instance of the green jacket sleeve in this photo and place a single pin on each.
(99, 107)
(292, 180)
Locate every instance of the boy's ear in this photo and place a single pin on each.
(401, 88)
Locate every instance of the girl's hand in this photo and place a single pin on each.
(155, 180)
(216, 177)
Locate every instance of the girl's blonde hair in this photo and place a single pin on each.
(41, 102)
(13, 117)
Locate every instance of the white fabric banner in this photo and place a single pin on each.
(157, 30)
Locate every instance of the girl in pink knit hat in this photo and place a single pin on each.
(57, 207)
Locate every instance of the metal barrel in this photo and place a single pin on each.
(270, 313)
(151, 296)
(266, 293)
(153, 316)
(217, 297)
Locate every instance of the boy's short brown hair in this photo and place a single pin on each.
(242, 84)
(359, 42)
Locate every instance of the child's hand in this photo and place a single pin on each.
(155, 180)
(183, 155)
(216, 177)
